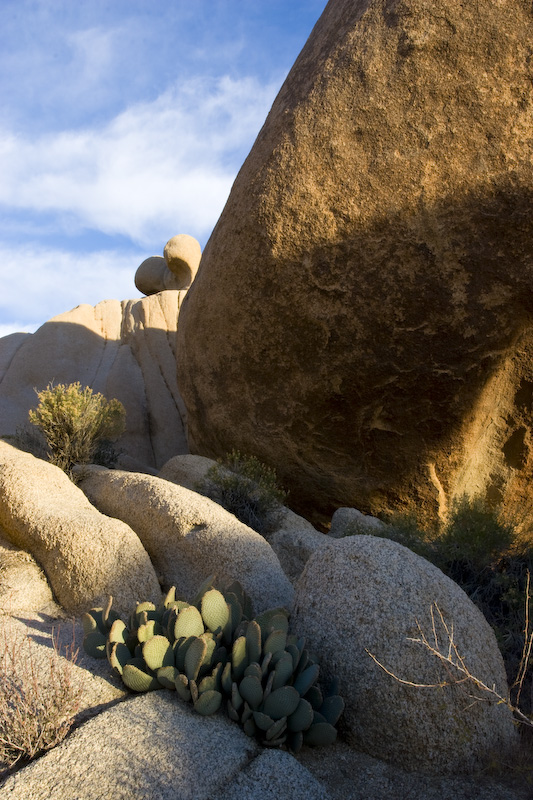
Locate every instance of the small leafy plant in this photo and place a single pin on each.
(213, 653)
(246, 488)
(78, 424)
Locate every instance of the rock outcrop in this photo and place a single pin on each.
(361, 318)
(86, 556)
(123, 349)
(188, 536)
(364, 595)
(292, 537)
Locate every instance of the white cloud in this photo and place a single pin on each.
(155, 170)
(38, 284)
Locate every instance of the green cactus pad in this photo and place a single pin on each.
(302, 718)
(243, 597)
(118, 656)
(249, 727)
(232, 713)
(167, 676)
(273, 619)
(320, 734)
(246, 713)
(263, 721)
(137, 679)
(268, 685)
(295, 653)
(226, 679)
(255, 670)
(118, 632)
(306, 679)
(281, 702)
(169, 598)
(318, 717)
(277, 729)
(251, 690)
(208, 702)
(182, 687)
(265, 663)
(215, 610)
(193, 686)
(239, 660)
(204, 587)
(149, 629)
(332, 708)
(303, 662)
(283, 670)
(193, 657)
(189, 623)
(89, 623)
(207, 684)
(95, 644)
(295, 741)
(157, 652)
(275, 642)
(180, 647)
(211, 644)
(314, 695)
(274, 742)
(236, 697)
(253, 642)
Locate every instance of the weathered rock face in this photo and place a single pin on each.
(364, 595)
(86, 556)
(123, 349)
(361, 318)
(188, 536)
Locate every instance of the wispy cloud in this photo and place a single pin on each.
(58, 280)
(157, 169)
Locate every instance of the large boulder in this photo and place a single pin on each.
(291, 537)
(361, 316)
(86, 556)
(123, 349)
(188, 536)
(365, 596)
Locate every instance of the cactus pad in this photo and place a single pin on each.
(251, 690)
(320, 734)
(208, 702)
(137, 679)
(189, 623)
(215, 611)
(282, 702)
(158, 653)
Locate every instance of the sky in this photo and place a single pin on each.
(122, 124)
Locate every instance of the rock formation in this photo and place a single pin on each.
(175, 270)
(123, 349)
(364, 595)
(188, 536)
(361, 318)
(86, 555)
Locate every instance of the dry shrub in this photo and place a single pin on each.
(38, 701)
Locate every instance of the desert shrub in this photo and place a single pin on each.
(246, 488)
(78, 425)
(37, 707)
(483, 553)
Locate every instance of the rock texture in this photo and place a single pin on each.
(85, 555)
(182, 254)
(292, 538)
(361, 319)
(23, 584)
(123, 349)
(364, 595)
(189, 537)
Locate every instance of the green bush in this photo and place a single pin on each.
(246, 488)
(78, 425)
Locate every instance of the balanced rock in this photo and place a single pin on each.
(188, 536)
(123, 349)
(182, 254)
(365, 596)
(361, 320)
(86, 556)
(154, 276)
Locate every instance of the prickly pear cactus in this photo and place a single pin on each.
(213, 653)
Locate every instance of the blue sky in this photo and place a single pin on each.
(123, 123)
